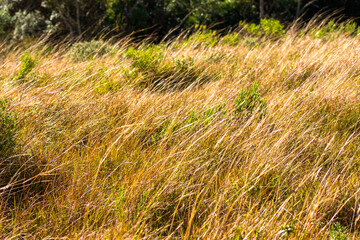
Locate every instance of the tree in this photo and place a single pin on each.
(77, 15)
(261, 9)
(265, 8)
(128, 15)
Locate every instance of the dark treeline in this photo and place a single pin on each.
(89, 18)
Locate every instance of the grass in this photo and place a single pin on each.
(239, 141)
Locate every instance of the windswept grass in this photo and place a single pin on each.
(183, 140)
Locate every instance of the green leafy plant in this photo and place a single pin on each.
(149, 62)
(31, 24)
(272, 27)
(203, 37)
(351, 28)
(86, 50)
(205, 118)
(104, 82)
(330, 27)
(146, 58)
(338, 232)
(232, 39)
(286, 231)
(167, 128)
(153, 70)
(267, 27)
(235, 39)
(239, 234)
(28, 63)
(248, 101)
(6, 20)
(333, 28)
(252, 29)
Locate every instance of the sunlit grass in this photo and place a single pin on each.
(176, 141)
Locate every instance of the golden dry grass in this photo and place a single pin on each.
(109, 159)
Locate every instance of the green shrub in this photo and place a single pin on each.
(249, 101)
(149, 62)
(205, 118)
(28, 62)
(153, 70)
(267, 27)
(86, 50)
(252, 29)
(286, 231)
(202, 37)
(232, 39)
(105, 82)
(6, 20)
(333, 28)
(146, 58)
(330, 27)
(338, 232)
(350, 28)
(29, 24)
(272, 27)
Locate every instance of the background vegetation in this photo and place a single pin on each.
(21, 18)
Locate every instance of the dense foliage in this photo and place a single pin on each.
(20, 18)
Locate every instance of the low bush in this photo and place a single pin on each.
(86, 50)
(249, 101)
(30, 24)
(235, 39)
(159, 73)
(267, 27)
(232, 39)
(207, 116)
(338, 232)
(334, 28)
(28, 63)
(6, 20)
(203, 37)
(146, 58)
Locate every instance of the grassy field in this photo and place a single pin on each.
(203, 137)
